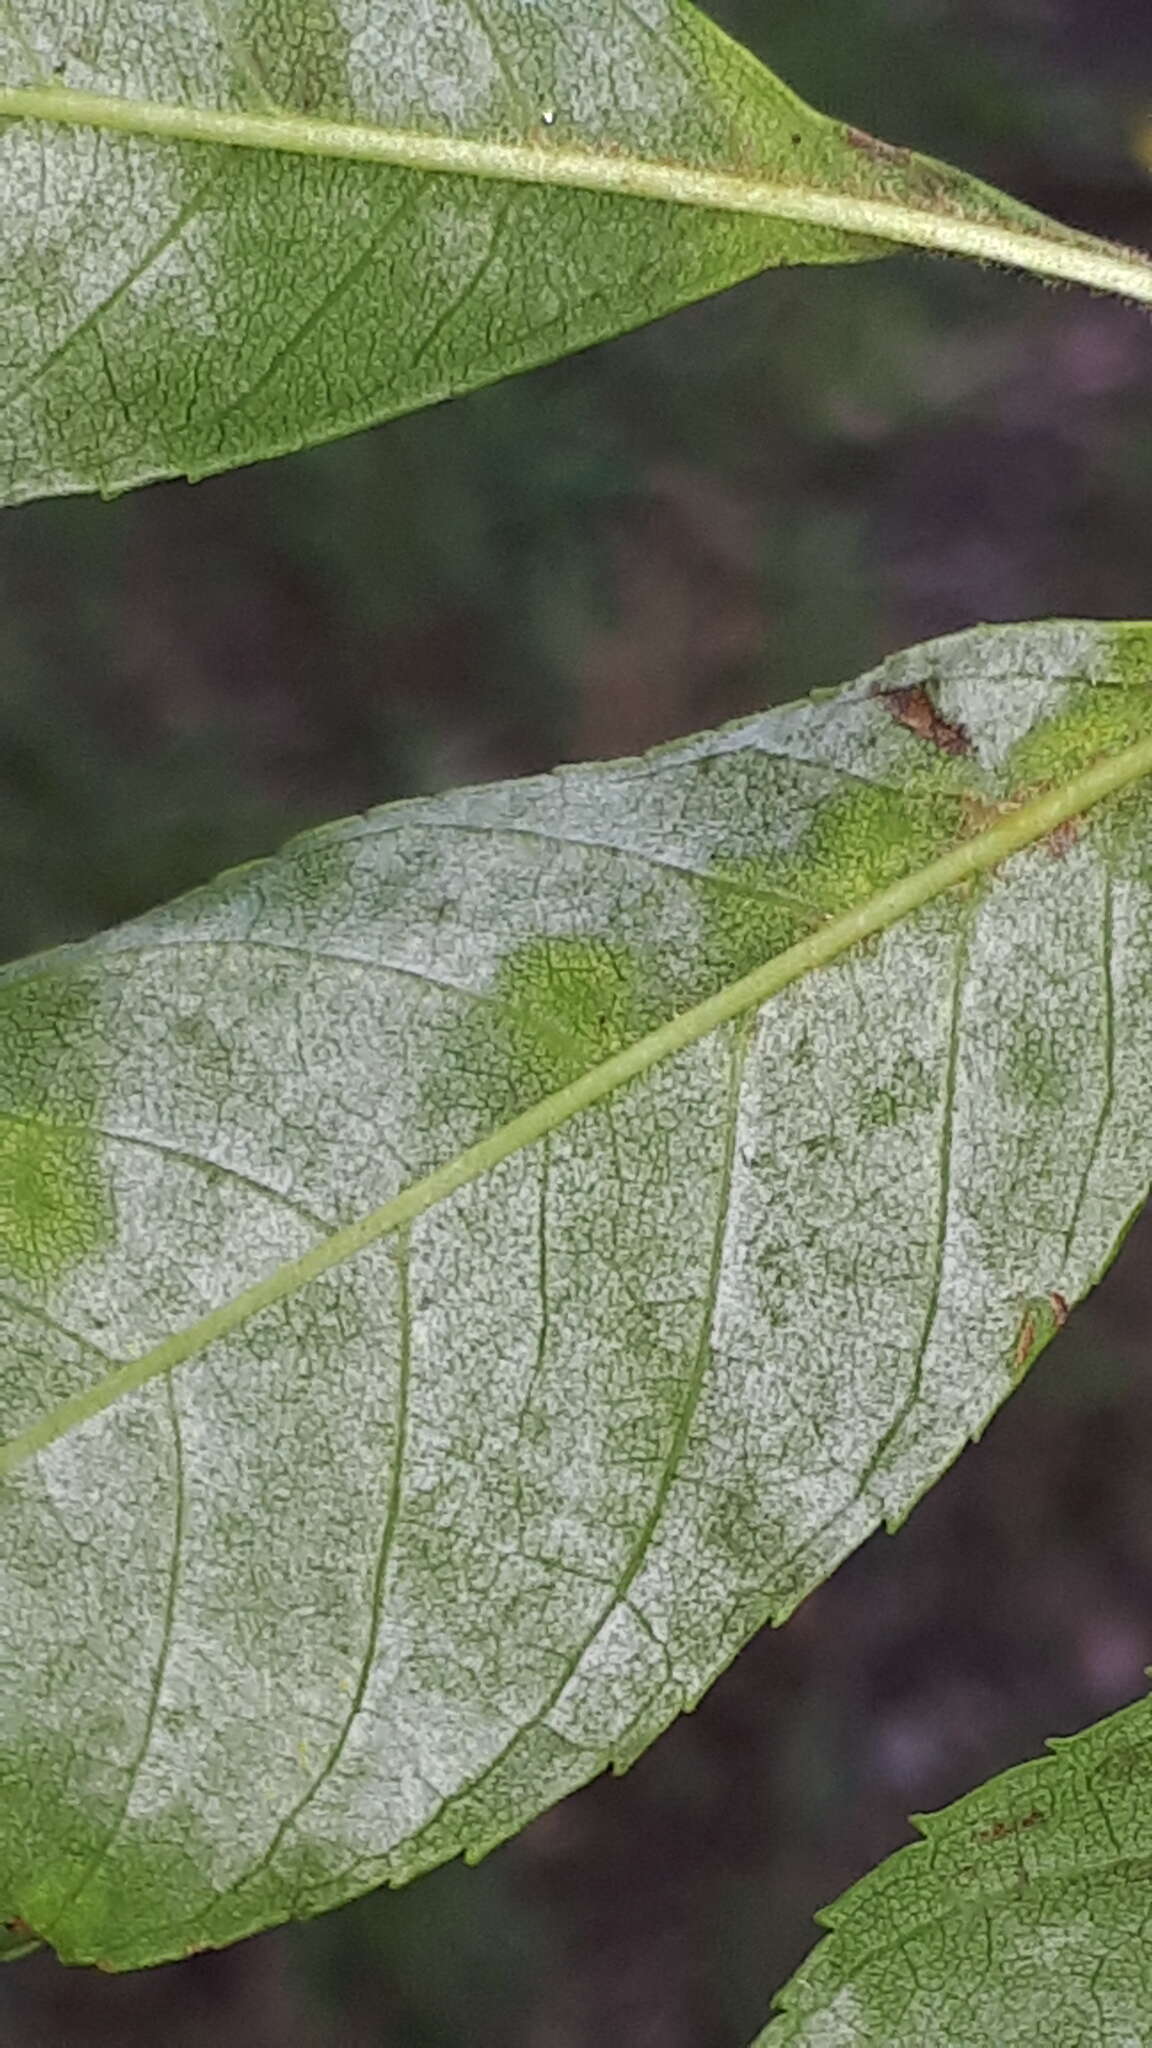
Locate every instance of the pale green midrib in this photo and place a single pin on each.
(1075, 260)
(1019, 827)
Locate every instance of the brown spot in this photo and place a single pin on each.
(913, 708)
(979, 815)
(1030, 1330)
(1024, 1344)
(21, 1930)
(1001, 1828)
(871, 145)
(1064, 837)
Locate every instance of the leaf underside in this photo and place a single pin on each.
(388, 1566)
(173, 308)
(1021, 1917)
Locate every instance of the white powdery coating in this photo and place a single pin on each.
(1000, 689)
(63, 230)
(482, 1507)
(148, 51)
(518, 66)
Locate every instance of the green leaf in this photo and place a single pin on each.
(1021, 1917)
(459, 1278)
(230, 229)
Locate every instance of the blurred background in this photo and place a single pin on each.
(758, 496)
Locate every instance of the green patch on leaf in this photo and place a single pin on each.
(748, 915)
(1094, 721)
(866, 840)
(559, 1005)
(1130, 665)
(856, 844)
(574, 1000)
(54, 1206)
(1035, 1067)
(83, 1882)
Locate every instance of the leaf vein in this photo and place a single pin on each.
(51, 1322)
(942, 1240)
(741, 1036)
(91, 322)
(203, 1162)
(389, 1527)
(1108, 1034)
(311, 320)
(562, 1040)
(168, 1626)
(729, 885)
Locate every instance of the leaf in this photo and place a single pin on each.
(232, 227)
(1021, 1917)
(459, 1278)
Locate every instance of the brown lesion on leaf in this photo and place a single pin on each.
(871, 145)
(1001, 1829)
(20, 1930)
(912, 707)
(1025, 1344)
(1065, 836)
(979, 814)
(1041, 1320)
(1061, 841)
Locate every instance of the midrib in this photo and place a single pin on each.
(1046, 253)
(1017, 828)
